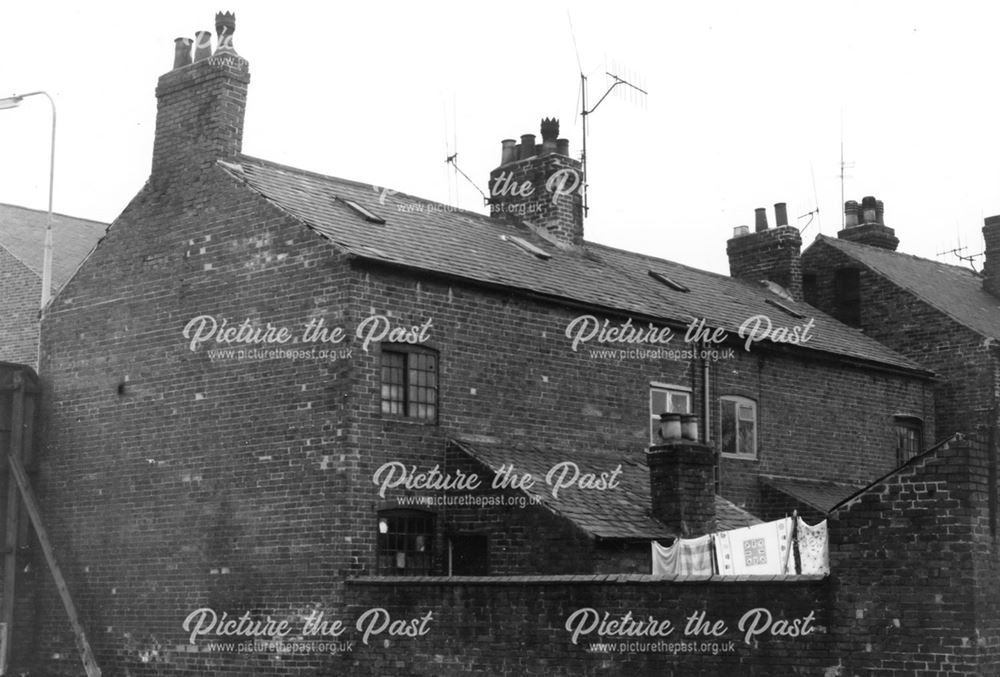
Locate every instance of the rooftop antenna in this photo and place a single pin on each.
(843, 174)
(815, 212)
(959, 250)
(585, 111)
(451, 158)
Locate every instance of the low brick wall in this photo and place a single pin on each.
(517, 625)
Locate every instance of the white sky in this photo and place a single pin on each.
(745, 105)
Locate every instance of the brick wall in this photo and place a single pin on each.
(914, 563)
(771, 254)
(22, 292)
(964, 363)
(518, 627)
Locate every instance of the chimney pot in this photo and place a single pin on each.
(850, 214)
(508, 151)
(740, 231)
(670, 427)
(550, 129)
(182, 52)
(760, 219)
(868, 209)
(527, 146)
(780, 214)
(562, 146)
(202, 45)
(225, 26)
(879, 212)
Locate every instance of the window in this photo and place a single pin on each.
(739, 427)
(409, 382)
(666, 399)
(469, 555)
(909, 438)
(673, 284)
(405, 543)
(847, 296)
(364, 212)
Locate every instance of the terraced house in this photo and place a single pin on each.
(264, 383)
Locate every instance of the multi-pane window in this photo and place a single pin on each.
(739, 426)
(409, 382)
(666, 399)
(405, 543)
(909, 438)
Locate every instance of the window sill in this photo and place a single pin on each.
(410, 420)
(738, 457)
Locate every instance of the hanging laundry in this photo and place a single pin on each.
(760, 549)
(814, 548)
(688, 556)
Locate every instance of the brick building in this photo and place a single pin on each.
(260, 383)
(22, 239)
(945, 317)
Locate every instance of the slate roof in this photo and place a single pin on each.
(22, 233)
(619, 513)
(954, 290)
(427, 236)
(822, 495)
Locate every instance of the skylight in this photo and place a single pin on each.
(660, 277)
(362, 211)
(782, 306)
(527, 246)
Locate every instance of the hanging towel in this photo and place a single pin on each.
(814, 548)
(760, 549)
(688, 556)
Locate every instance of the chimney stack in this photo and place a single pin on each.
(682, 485)
(768, 253)
(200, 105)
(540, 185)
(991, 267)
(865, 224)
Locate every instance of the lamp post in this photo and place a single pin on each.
(14, 102)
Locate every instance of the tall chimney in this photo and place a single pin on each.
(780, 214)
(760, 219)
(991, 267)
(865, 224)
(682, 486)
(767, 254)
(200, 107)
(541, 186)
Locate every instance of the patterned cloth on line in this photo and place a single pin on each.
(814, 548)
(685, 556)
(760, 549)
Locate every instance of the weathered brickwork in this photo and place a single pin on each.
(914, 560)
(963, 361)
(22, 291)
(511, 627)
(177, 476)
(771, 254)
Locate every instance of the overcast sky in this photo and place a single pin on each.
(745, 107)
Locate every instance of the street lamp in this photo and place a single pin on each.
(14, 102)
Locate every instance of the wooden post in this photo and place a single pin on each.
(8, 594)
(31, 505)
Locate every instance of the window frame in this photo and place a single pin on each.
(908, 422)
(407, 350)
(383, 554)
(654, 416)
(738, 401)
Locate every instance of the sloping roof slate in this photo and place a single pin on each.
(621, 513)
(429, 236)
(822, 495)
(954, 290)
(22, 233)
